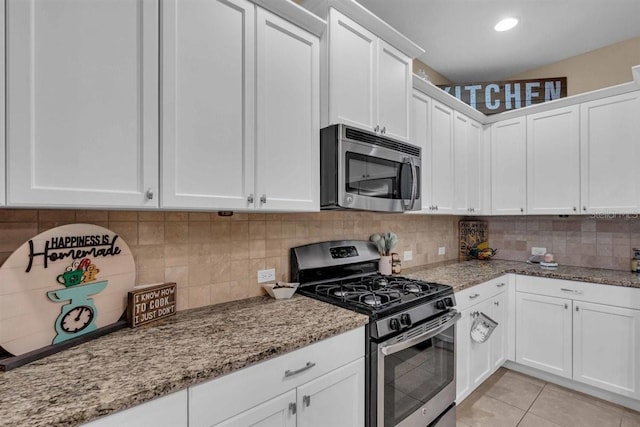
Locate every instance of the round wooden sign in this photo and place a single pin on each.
(61, 284)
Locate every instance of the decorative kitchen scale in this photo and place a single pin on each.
(63, 287)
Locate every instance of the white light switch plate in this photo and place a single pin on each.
(441, 250)
(538, 251)
(266, 275)
(408, 255)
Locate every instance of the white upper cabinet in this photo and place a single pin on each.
(440, 154)
(610, 154)
(82, 103)
(468, 183)
(288, 116)
(420, 134)
(553, 162)
(369, 81)
(509, 167)
(208, 103)
(240, 117)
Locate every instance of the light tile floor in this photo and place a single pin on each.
(510, 399)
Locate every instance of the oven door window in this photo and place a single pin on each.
(376, 177)
(415, 375)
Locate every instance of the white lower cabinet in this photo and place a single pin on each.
(475, 362)
(586, 332)
(318, 385)
(166, 411)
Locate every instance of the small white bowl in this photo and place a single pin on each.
(284, 291)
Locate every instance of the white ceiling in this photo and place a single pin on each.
(461, 44)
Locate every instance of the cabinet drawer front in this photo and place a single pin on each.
(478, 293)
(221, 398)
(620, 296)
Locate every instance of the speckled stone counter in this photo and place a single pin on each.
(132, 366)
(466, 274)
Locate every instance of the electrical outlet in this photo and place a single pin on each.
(408, 255)
(441, 250)
(266, 275)
(538, 251)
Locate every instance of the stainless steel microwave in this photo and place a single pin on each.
(365, 170)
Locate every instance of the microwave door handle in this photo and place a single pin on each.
(414, 182)
(394, 348)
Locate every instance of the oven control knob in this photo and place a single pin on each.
(349, 200)
(405, 320)
(448, 302)
(394, 324)
(440, 304)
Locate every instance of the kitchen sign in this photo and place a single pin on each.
(497, 97)
(150, 303)
(65, 283)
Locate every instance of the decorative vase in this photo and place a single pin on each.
(384, 267)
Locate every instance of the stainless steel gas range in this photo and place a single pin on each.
(410, 360)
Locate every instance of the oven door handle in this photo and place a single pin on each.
(414, 182)
(394, 348)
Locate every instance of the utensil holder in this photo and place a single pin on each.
(384, 266)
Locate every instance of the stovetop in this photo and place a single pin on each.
(377, 295)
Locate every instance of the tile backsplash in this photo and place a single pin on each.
(582, 241)
(214, 259)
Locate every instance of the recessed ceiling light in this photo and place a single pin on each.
(506, 24)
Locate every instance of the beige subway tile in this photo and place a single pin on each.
(220, 269)
(199, 275)
(221, 232)
(239, 231)
(178, 274)
(18, 215)
(604, 238)
(257, 217)
(176, 254)
(255, 290)
(199, 253)
(622, 251)
(149, 257)
(273, 230)
(14, 234)
(257, 249)
(58, 216)
(123, 216)
(127, 231)
(239, 250)
(288, 229)
(176, 216)
(274, 262)
(239, 217)
(239, 289)
(91, 217)
(176, 232)
(302, 229)
(588, 237)
(220, 292)
(257, 230)
(239, 269)
(148, 277)
(216, 216)
(150, 216)
(254, 266)
(199, 217)
(199, 296)
(272, 248)
(150, 233)
(199, 232)
(182, 299)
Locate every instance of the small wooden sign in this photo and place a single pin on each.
(150, 303)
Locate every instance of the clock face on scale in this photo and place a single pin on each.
(77, 319)
(62, 284)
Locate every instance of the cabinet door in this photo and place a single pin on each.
(166, 411)
(277, 412)
(335, 399)
(467, 143)
(508, 167)
(553, 166)
(420, 130)
(208, 103)
(499, 313)
(288, 115)
(543, 331)
(606, 347)
(82, 103)
(2, 110)
(480, 365)
(463, 355)
(352, 73)
(441, 151)
(394, 91)
(610, 153)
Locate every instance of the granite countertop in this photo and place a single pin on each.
(466, 274)
(132, 366)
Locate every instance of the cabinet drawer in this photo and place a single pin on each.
(221, 398)
(620, 296)
(478, 293)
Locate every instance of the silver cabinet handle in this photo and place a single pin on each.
(306, 367)
(474, 296)
(496, 303)
(566, 306)
(575, 209)
(250, 198)
(293, 408)
(577, 308)
(376, 129)
(436, 207)
(521, 209)
(149, 194)
(263, 198)
(383, 130)
(571, 291)
(306, 400)
(499, 285)
(584, 208)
